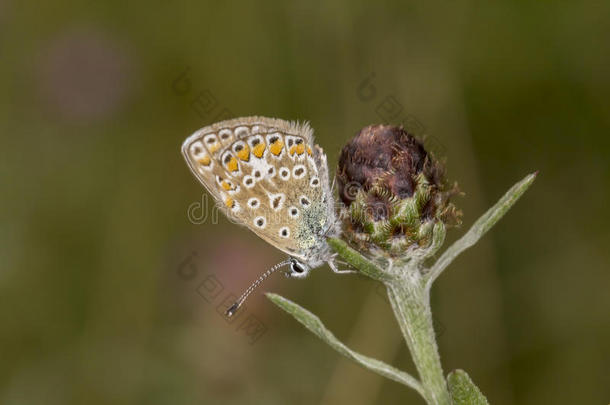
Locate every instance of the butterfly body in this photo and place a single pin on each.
(268, 175)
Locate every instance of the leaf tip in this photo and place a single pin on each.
(529, 179)
(275, 298)
(463, 390)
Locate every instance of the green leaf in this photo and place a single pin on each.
(480, 227)
(463, 391)
(315, 325)
(364, 265)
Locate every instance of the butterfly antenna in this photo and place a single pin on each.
(253, 286)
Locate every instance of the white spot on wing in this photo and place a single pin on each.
(197, 150)
(276, 201)
(225, 135)
(210, 139)
(299, 171)
(254, 203)
(260, 222)
(284, 173)
(249, 181)
(241, 132)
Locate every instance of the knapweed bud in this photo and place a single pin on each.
(393, 192)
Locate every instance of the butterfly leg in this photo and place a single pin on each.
(334, 268)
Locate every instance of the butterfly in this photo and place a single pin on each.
(268, 175)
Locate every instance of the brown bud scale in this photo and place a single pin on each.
(390, 185)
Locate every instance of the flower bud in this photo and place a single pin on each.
(393, 192)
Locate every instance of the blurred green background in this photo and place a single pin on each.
(110, 294)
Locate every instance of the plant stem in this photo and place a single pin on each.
(411, 304)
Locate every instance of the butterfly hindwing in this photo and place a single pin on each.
(267, 175)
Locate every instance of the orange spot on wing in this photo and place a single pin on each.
(300, 149)
(229, 202)
(226, 185)
(205, 161)
(309, 151)
(293, 150)
(258, 150)
(276, 147)
(244, 154)
(232, 165)
(214, 147)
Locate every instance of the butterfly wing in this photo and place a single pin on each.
(268, 175)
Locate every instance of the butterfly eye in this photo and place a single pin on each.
(297, 267)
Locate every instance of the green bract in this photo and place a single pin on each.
(393, 193)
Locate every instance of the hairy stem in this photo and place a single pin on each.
(411, 305)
